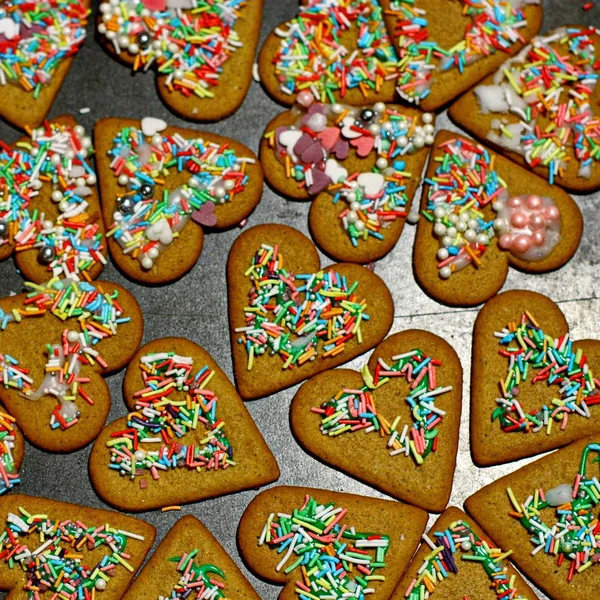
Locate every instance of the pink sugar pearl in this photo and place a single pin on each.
(305, 98)
(522, 243)
(534, 202)
(518, 219)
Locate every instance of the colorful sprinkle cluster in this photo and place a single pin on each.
(98, 314)
(494, 27)
(312, 55)
(72, 243)
(335, 560)
(36, 37)
(9, 477)
(354, 410)
(146, 221)
(196, 580)
(556, 362)
(441, 562)
(188, 46)
(174, 402)
(549, 87)
(56, 562)
(575, 535)
(289, 314)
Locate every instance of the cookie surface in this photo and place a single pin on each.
(126, 536)
(499, 516)
(463, 578)
(426, 480)
(494, 110)
(220, 449)
(208, 81)
(400, 525)
(177, 243)
(12, 448)
(443, 24)
(258, 372)
(73, 410)
(191, 542)
(490, 190)
(510, 407)
(53, 226)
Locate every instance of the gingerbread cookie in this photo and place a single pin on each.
(190, 563)
(202, 51)
(38, 42)
(446, 46)
(12, 452)
(532, 387)
(410, 459)
(50, 215)
(154, 179)
(546, 512)
(52, 549)
(457, 560)
(188, 435)
(291, 319)
(361, 166)
(56, 342)
(541, 108)
(326, 543)
(482, 213)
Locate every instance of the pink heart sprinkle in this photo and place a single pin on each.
(205, 215)
(329, 137)
(363, 145)
(155, 4)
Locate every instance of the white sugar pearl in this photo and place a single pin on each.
(427, 118)
(124, 41)
(173, 48)
(387, 126)
(117, 216)
(79, 130)
(139, 455)
(133, 49)
(47, 224)
(447, 241)
(153, 253)
(445, 272)
(63, 205)
(110, 35)
(36, 184)
(220, 192)
(439, 229)
(72, 336)
(91, 179)
(123, 179)
(156, 44)
(147, 262)
(157, 139)
(193, 182)
(86, 142)
(418, 141)
(229, 184)
(453, 218)
(100, 584)
(482, 239)
(470, 235)
(105, 7)
(56, 159)
(359, 225)
(351, 217)
(402, 141)
(472, 224)
(451, 231)
(466, 545)
(381, 163)
(461, 226)
(57, 196)
(337, 109)
(375, 129)
(428, 129)
(428, 139)
(499, 224)
(439, 212)
(443, 254)
(379, 107)
(354, 206)
(80, 181)
(178, 73)
(351, 196)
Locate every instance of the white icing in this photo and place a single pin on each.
(491, 99)
(561, 494)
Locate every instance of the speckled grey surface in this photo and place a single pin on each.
(196, 306)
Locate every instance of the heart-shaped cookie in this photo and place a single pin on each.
(403, 411)
(446, 46)
(151, 186)
(188, 435)
(38, 42)
(50, 215)
(291, 319)
(532, 386)
(52, 548)
(483, 214)
(367, 166)
(547, 513)
(457, 560)
(516, 108)
(201, 77)
(12, 452)
(56, 342)
(377, 539)
(190, 562)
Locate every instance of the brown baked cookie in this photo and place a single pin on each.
(361, 165)
(56, 342)
(522, 410)
(52, 548)
(550, 504)
(51, 219)
(467, 48)
(470, 566)
(190, 560)
(303, 514)
(39, 54)
(201, 77)
(183, 410)
(408, 458)
(300, 55)
(290, 319)
(516, 110)
(12, 451)
(149, 195)
(481, 214)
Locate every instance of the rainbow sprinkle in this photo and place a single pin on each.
(195, 581)
(441, 562)
(9, 477)
(559, 364)
(189, 47)
(574, 535)
(174, 402)
(37, 37)
(327, 552)
(317, 307)
(71, 244)
(354, 410)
